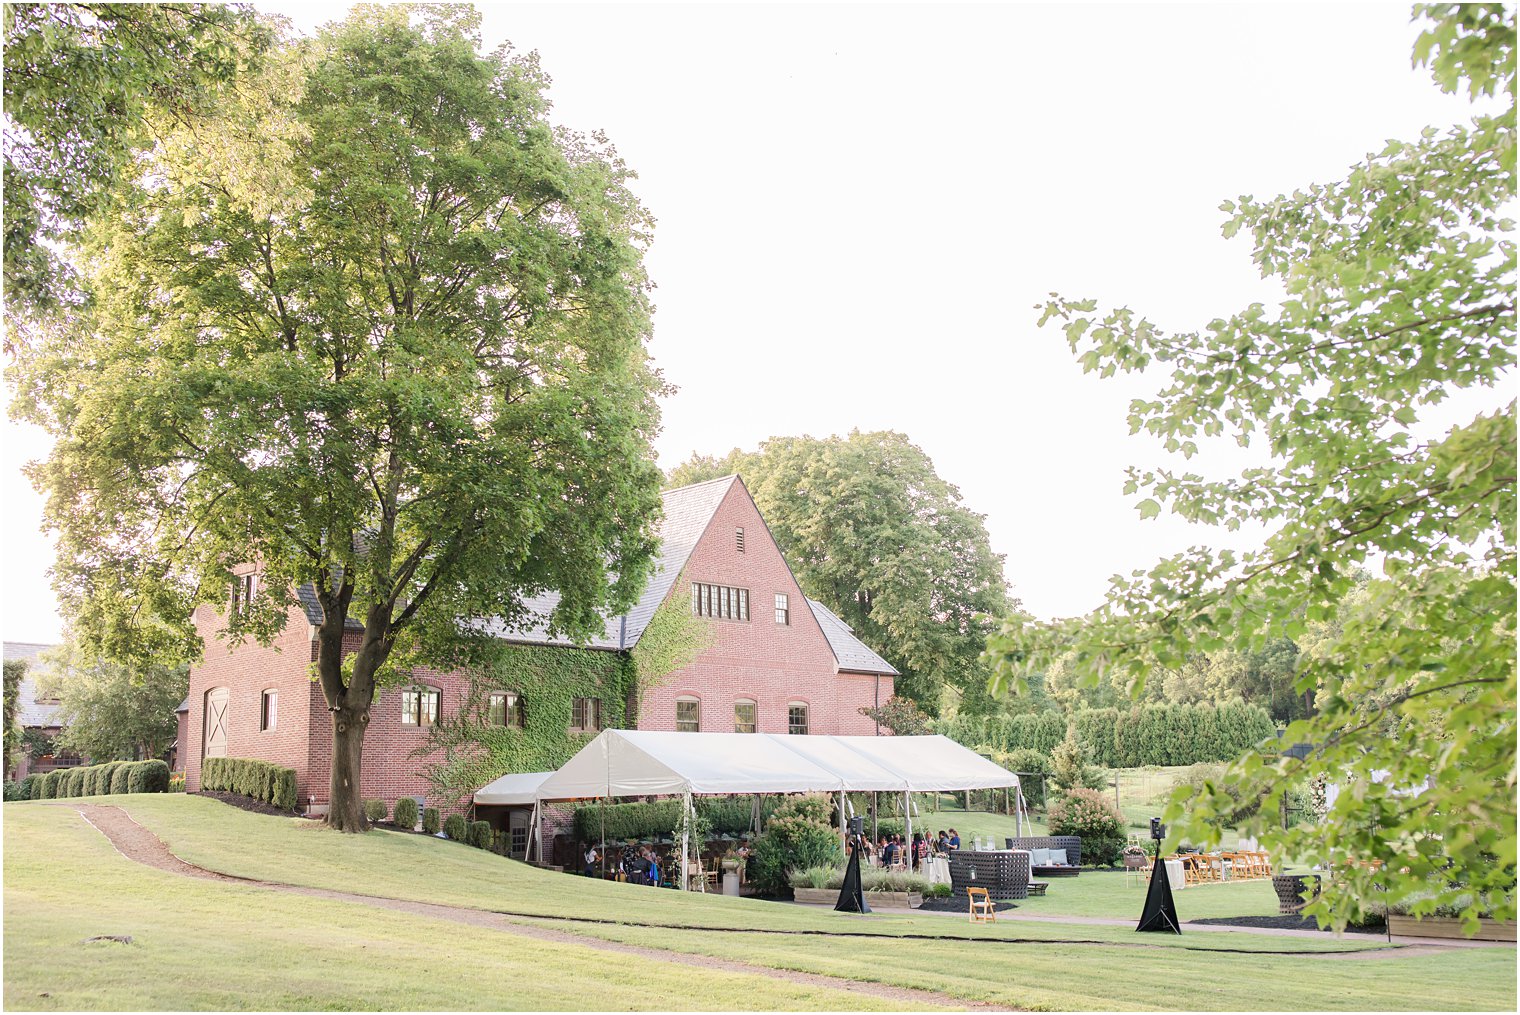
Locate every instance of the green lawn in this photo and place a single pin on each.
(206, 945)
(51, 905)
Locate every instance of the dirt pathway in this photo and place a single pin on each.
(136, 843)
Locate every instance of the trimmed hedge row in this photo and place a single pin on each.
(261, 780)
(1126, 738)
(643, 821)
(95, 780)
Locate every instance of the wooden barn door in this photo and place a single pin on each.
(215, 732)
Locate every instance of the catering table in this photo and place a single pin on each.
(1174, 874)
(937, 870)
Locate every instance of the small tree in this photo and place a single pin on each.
(902, 716)
(1093, 817)
(1069, 769)
(111, 710)
(799, 834)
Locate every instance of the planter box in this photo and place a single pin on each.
(1449, 927)
(886, 900)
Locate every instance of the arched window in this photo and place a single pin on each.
(688, 714)
(797, 718)
(419, 706)
(744, 716)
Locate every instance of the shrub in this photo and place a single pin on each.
(816, 877)
(938, 890)
(31, 786)
(148, 777)
(52, 784)
(456, 828)
(375, 810)
(406, 813)
(89, 781)
(13, 791)
(645, 821)
(1069, 768)
(73, 783)
(119, 778)
(1091, 815)
(800, 834)
(261, 780)
(872, 879)
(480, 834)
(430, 820)
(107, 776)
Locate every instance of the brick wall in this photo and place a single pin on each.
(247, 669)
(760, 660)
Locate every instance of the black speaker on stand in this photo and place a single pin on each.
(1160, 913)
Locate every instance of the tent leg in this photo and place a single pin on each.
(908, 828)
(754, 814)
(685, 847)
(534, 846)
(875, 827)
(844, 824)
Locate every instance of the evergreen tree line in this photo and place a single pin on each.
(1125, 738)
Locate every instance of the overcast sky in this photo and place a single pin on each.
(858, 207)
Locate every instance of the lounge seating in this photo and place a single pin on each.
(1053, 856)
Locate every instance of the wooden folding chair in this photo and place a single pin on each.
(981, 910)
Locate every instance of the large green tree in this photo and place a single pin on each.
(375, 324)
(110, 711)
(1398, 290)
(873, 533)
(84, 83)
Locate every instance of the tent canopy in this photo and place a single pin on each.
(520, 788)
(622, 763)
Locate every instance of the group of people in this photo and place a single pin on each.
(643, 865)
(891, 850)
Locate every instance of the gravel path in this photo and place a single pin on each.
(136, 843)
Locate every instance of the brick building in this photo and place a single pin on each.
(34, 714)
(776, 662)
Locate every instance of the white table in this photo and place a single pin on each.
(1174, 874)
(937, 870)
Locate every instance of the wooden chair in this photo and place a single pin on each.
(981, 910)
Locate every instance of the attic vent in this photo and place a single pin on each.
(739, 540)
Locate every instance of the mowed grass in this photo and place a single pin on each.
(1029, 964)
(217, 946)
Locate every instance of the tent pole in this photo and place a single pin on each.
(533, 843)
(908, 827)
(875, 827)
(685, 839)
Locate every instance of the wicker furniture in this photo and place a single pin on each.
(1004, 873)
(1071, 843)
(1290, 890)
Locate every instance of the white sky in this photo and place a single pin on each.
(859, 205)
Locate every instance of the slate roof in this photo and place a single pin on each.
(687, 512)
(853, 654)
(28, 711)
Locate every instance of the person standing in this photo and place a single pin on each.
(592, 856)
(955, 839)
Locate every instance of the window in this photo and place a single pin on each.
(744, 716)
(505, 708)
(519, 841)
(719, 601)
(585, 714)
(739, 540)
(268, 705)
(783, 609)
(796, 718)
(419, 706)
(688, 715)
(242, 592)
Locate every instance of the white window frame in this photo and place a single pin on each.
(689, 699)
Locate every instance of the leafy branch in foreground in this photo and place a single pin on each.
(1399, 290)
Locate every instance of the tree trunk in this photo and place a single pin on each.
(345, 810)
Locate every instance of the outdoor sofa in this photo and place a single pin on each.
(1051, 856)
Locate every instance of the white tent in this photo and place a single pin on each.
(518, 788)
(621, 763)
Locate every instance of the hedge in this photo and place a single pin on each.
(456, 828)
(1126, 738)
(261, 780)
(480, 834)
(375, 810)
(644, 821)
(73, 783)
(119, 778)
(148, 777)
(29, 786)
(97, 780)
(406, 813)
(430, 823)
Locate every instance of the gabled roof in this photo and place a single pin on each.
(29, 712)
(687, 512)
(854, 655)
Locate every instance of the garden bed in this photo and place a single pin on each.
(1281, 923)
(1449, 927)
(884, 900)
(246, 803)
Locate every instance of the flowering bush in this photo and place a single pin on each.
(1091, 815)
(799, 834)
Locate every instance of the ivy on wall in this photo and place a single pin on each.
(549, 678)
(673, 639)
